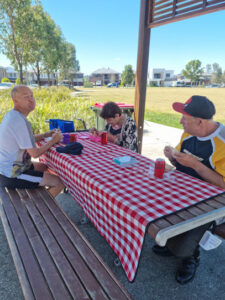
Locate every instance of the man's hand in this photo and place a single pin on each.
(51, 132)
(57, 136)
(185, 160)
(169, 153)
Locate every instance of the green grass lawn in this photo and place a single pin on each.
(60, 103)
(158, 107)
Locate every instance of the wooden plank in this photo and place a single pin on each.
(55, 254)
(155, 226)
(174, 219)
(189, 5)
(31, 228)
(111, 285)
(214, 203)
(80, 268)
(157, 3)
(153, 230)
(221, 199)
(203, 206)
(185, 215)
(25, 285)
(37, 281)
(195, 211)
(179, 15)
(162, 8)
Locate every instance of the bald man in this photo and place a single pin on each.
(18, 146)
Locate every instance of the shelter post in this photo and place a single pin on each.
(142, 69)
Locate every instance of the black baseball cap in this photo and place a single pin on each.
(196, 106)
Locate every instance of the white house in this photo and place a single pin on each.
(161, 77)
(11, 74)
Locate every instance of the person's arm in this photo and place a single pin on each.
(39, 137)
(36, 152)
(94, 131)
(206, 173)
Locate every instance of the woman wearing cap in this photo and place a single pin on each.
(121, 129)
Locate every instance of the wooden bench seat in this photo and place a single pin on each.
(169, 226)
(52, 258)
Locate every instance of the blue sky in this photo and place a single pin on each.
(105, 34)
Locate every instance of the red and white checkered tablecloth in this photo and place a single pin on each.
(121, 201)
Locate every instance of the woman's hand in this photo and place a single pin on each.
(111, 138)
(94, 131)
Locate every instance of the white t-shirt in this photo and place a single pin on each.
(15, 137)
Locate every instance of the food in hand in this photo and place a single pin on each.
(173, 150)
(169, 167)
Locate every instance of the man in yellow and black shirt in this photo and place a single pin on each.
(200, 153)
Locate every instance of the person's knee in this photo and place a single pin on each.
(38, 166)
(51, 180)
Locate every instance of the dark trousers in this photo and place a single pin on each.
(185, 244)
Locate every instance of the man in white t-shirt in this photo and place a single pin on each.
(18, 145)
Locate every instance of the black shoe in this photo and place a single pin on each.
(187, 271)
(163, 251)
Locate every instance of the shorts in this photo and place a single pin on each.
(29, 179)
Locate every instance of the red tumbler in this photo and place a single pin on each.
(73, 137)
(104, 138)
(159, 168)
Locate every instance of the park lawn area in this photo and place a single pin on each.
(61, 103)
(159, 100)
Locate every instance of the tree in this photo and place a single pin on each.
(44, 54)
(193, 70)
(127, 75)
(223, 77)
(52, 56)
(217, 74)
(69, 64)
(208, 68)
(13, 31)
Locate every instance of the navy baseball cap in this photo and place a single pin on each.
(196, 106)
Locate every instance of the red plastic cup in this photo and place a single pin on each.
(73, 137)
(159, 168)
(104, 138)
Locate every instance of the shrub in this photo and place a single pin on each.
(88, 84)
(53, 103)
(5, 80)
(18, 81)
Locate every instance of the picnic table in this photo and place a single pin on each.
(122, 202)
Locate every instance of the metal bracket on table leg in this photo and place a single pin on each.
(117, 262)
(84, 220)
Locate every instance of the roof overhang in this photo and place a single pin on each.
(167, 11)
